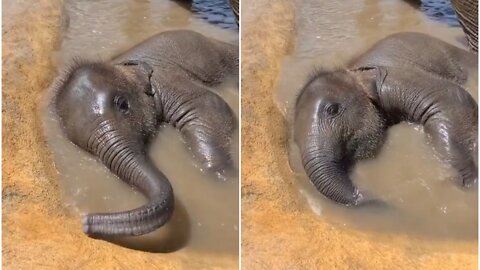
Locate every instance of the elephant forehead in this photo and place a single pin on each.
(95, 76)
(330, 88)
(316, 102)
(100, 103)
(309, 115)
(91, 96)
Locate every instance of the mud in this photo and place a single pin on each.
(39, 232)
(279, 230)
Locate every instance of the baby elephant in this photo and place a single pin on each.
(112, 109)
(341, 116)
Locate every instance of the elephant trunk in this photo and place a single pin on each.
(126, 159)
(329, 174)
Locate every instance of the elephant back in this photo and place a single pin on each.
(467, 13)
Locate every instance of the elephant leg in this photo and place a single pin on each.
(450, 120)
(447, 111)
(205, 121)
(453, 150)
(467, 13)
(209, 133)
(234, 5)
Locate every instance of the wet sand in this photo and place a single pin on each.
(277, 231)
(38, 231)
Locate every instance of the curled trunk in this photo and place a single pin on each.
(329, 175)
(127, 160)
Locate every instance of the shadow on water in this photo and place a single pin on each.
(414, 3)
(186, 4)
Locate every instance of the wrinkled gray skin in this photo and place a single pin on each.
(113, 109)
(467, 14)
(341, 116)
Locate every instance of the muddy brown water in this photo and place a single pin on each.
(420, 188)
(207, 209)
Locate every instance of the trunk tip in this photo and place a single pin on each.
(85, 225)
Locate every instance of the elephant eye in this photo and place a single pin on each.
(332, 109)
(122, 104)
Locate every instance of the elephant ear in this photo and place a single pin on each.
(372, 78)
(144, 69)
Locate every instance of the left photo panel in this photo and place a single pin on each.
(120, 134)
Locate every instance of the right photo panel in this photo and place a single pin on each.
(359, 134)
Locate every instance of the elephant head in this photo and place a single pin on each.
(341, 117)
(110, 111)
(336, 123)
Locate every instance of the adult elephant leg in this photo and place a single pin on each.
(234, 5)
(467, 13)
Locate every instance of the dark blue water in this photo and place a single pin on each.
(217, 12)
(440, 10)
